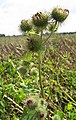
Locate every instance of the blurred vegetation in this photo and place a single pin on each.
(58, 76)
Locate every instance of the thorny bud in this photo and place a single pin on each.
(40, 19)
(56, 117)
(31, 103)
(60, 14)
(25, 25)
(41, 115)
(34, 44)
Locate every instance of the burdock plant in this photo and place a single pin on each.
(40, 23)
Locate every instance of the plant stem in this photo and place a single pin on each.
(41, 34)
(50, 34)
(40, 80)
(39, 68)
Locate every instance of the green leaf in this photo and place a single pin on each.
(15, 118)
(29, 116)
(59, 113)
(31, 32)
(1, 67)
(69, 106)
(56, 117)
(25, 117)
(27, 57)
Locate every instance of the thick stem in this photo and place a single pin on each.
(46, 40)
(41, 34)
(40, 80)
(40, 61)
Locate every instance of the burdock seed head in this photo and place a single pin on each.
(31, 103)
(42, 115)
(34, 44)
(25, 25)
(59, 14)
(40, 19)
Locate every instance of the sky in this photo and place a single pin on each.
(13, 11)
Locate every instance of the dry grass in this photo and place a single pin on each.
(64, 46)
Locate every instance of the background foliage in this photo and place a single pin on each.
(59, 66)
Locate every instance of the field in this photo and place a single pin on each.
(19, 77)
